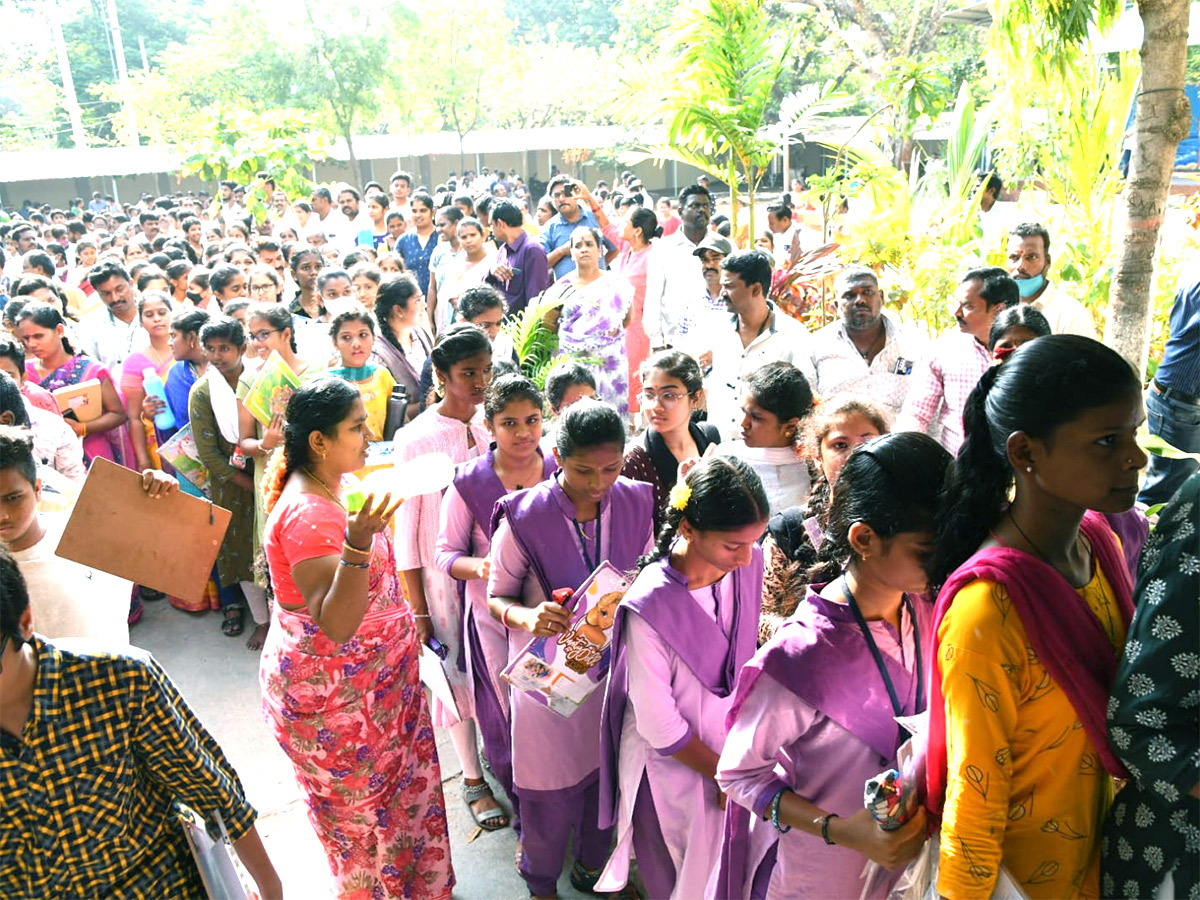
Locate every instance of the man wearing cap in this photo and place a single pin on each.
(673, 274)
(707, 310)
(865, 352)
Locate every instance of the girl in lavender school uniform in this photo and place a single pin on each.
(513, 414)
(462, 360)
(548, 537)
(812, 716)
(681, 636)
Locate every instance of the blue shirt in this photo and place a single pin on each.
(558, 232)
(416, 257)
(1180, 366)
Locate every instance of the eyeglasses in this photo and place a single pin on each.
(261, 336)
(666, 399)
(262, 288)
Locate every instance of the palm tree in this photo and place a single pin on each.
(724, 63)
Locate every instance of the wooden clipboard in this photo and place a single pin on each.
(169, 544)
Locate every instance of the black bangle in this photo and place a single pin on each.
(346, 537)
(825, 828)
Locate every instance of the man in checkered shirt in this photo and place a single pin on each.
(96, 748)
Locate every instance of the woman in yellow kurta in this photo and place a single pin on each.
(353, 334)
(1031, 620)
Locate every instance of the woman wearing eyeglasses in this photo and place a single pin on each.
(269, 330)
(671, 387)
(263, 285)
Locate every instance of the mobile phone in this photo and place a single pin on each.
(438, 647)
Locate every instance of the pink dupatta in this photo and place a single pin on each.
(1069, 640)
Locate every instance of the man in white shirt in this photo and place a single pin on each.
(673, 275)
(326, 218)
(349, 201)
(1028, 264)
(401, 185)
(866, 352)
(757, 333)
(783, 231)
(941, 383)
(111, 333)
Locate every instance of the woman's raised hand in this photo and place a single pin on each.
(371, 519)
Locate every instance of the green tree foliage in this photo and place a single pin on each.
(26, 92)
(89, 45)
(734, 49)
(241, 145)
(579, 23)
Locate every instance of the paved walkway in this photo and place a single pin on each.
(219, 678)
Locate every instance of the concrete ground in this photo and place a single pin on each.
(219, 678)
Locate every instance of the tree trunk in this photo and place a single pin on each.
(1162, 120)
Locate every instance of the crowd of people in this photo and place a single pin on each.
(824, 531)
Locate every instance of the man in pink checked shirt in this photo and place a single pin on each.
(942, 383)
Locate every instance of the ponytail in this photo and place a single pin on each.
(890, 483)
(977, 486)
(275, 477)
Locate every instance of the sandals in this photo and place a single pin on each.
(489, 819)
(584, 880)
(234, 624)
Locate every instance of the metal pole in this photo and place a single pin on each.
(122, 73)
(78, 135)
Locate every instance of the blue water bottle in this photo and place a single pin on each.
(152, 384)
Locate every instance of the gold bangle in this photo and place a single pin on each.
(349, 548)
(84, 432)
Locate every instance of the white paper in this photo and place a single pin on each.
(433, 676)
(427, 474)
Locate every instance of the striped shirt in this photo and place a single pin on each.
(88, 791)
(940, 386)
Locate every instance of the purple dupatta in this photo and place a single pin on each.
(661, 597)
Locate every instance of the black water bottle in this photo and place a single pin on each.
(397, 406)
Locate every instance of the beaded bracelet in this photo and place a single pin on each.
(782, 829)
(351, 565)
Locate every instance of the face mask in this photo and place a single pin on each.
(1027, 287)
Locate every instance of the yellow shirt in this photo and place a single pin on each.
(1025, 786)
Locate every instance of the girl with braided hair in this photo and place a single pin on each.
(682, 634)
(817, 702)
(339, 671)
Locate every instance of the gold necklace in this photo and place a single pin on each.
(323, 485)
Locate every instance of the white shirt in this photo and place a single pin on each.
(782, 340)
(334, 226)
(674, 281)
(69, 599)
(784, 475)
(841, 368)
(55, 443)
(108, 340)
(1065, 314)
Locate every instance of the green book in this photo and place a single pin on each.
(272, 388)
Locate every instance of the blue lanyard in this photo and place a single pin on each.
(897, 709)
